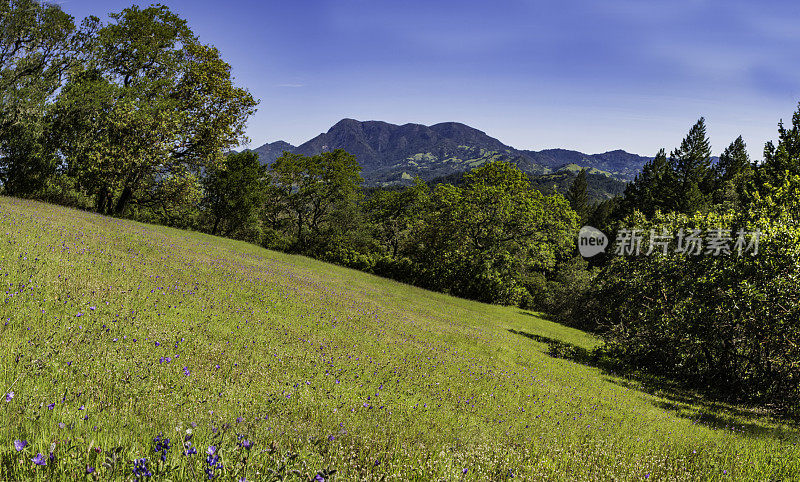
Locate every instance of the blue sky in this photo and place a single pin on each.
(586, 75)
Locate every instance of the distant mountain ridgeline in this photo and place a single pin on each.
(392, 154)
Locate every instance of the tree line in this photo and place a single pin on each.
(485, 239)
(723, 324)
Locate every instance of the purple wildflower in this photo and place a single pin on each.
(140, 469)
(162, 445)
(190, 449)
(213, 463)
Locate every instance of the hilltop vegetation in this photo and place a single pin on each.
(117, 332)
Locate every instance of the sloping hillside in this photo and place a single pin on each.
(120, 335)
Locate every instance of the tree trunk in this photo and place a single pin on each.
(101, 202)
(300, 231)
(123, 200)
(104, 201)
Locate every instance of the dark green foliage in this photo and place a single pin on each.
(27, 163)
(235, 192)
(692, 173)
(780, 160)
(38, 43)
(393, 213)
(601, 215)
(653, 189)
(599, 187)
(483, 239)
(684, 181)
(578, 196)
(727, 324)
(734, 172)
(313, 199)
(559, 291)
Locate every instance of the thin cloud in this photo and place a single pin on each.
(293, 86)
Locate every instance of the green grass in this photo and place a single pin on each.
(321, 367)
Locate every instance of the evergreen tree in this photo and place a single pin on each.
(578, 197)
(733, 171)
(693, 175)
(781, 159)
(652, 189)
(601, 215)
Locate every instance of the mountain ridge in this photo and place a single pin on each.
(395, 154)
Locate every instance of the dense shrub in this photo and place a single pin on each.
(728, 323)
(561, 294)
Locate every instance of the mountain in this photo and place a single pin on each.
(271, 151)
(395, 154)
(618, 163)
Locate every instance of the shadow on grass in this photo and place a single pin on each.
(560, 349)
(685, 403)
(538, 314)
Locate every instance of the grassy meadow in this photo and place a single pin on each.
(256, 365)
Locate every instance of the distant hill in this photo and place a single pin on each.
(599, 186)
(395, 154)
(618, 163)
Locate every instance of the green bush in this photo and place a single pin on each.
(726, 323)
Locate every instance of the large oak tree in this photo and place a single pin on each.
(149, 104)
